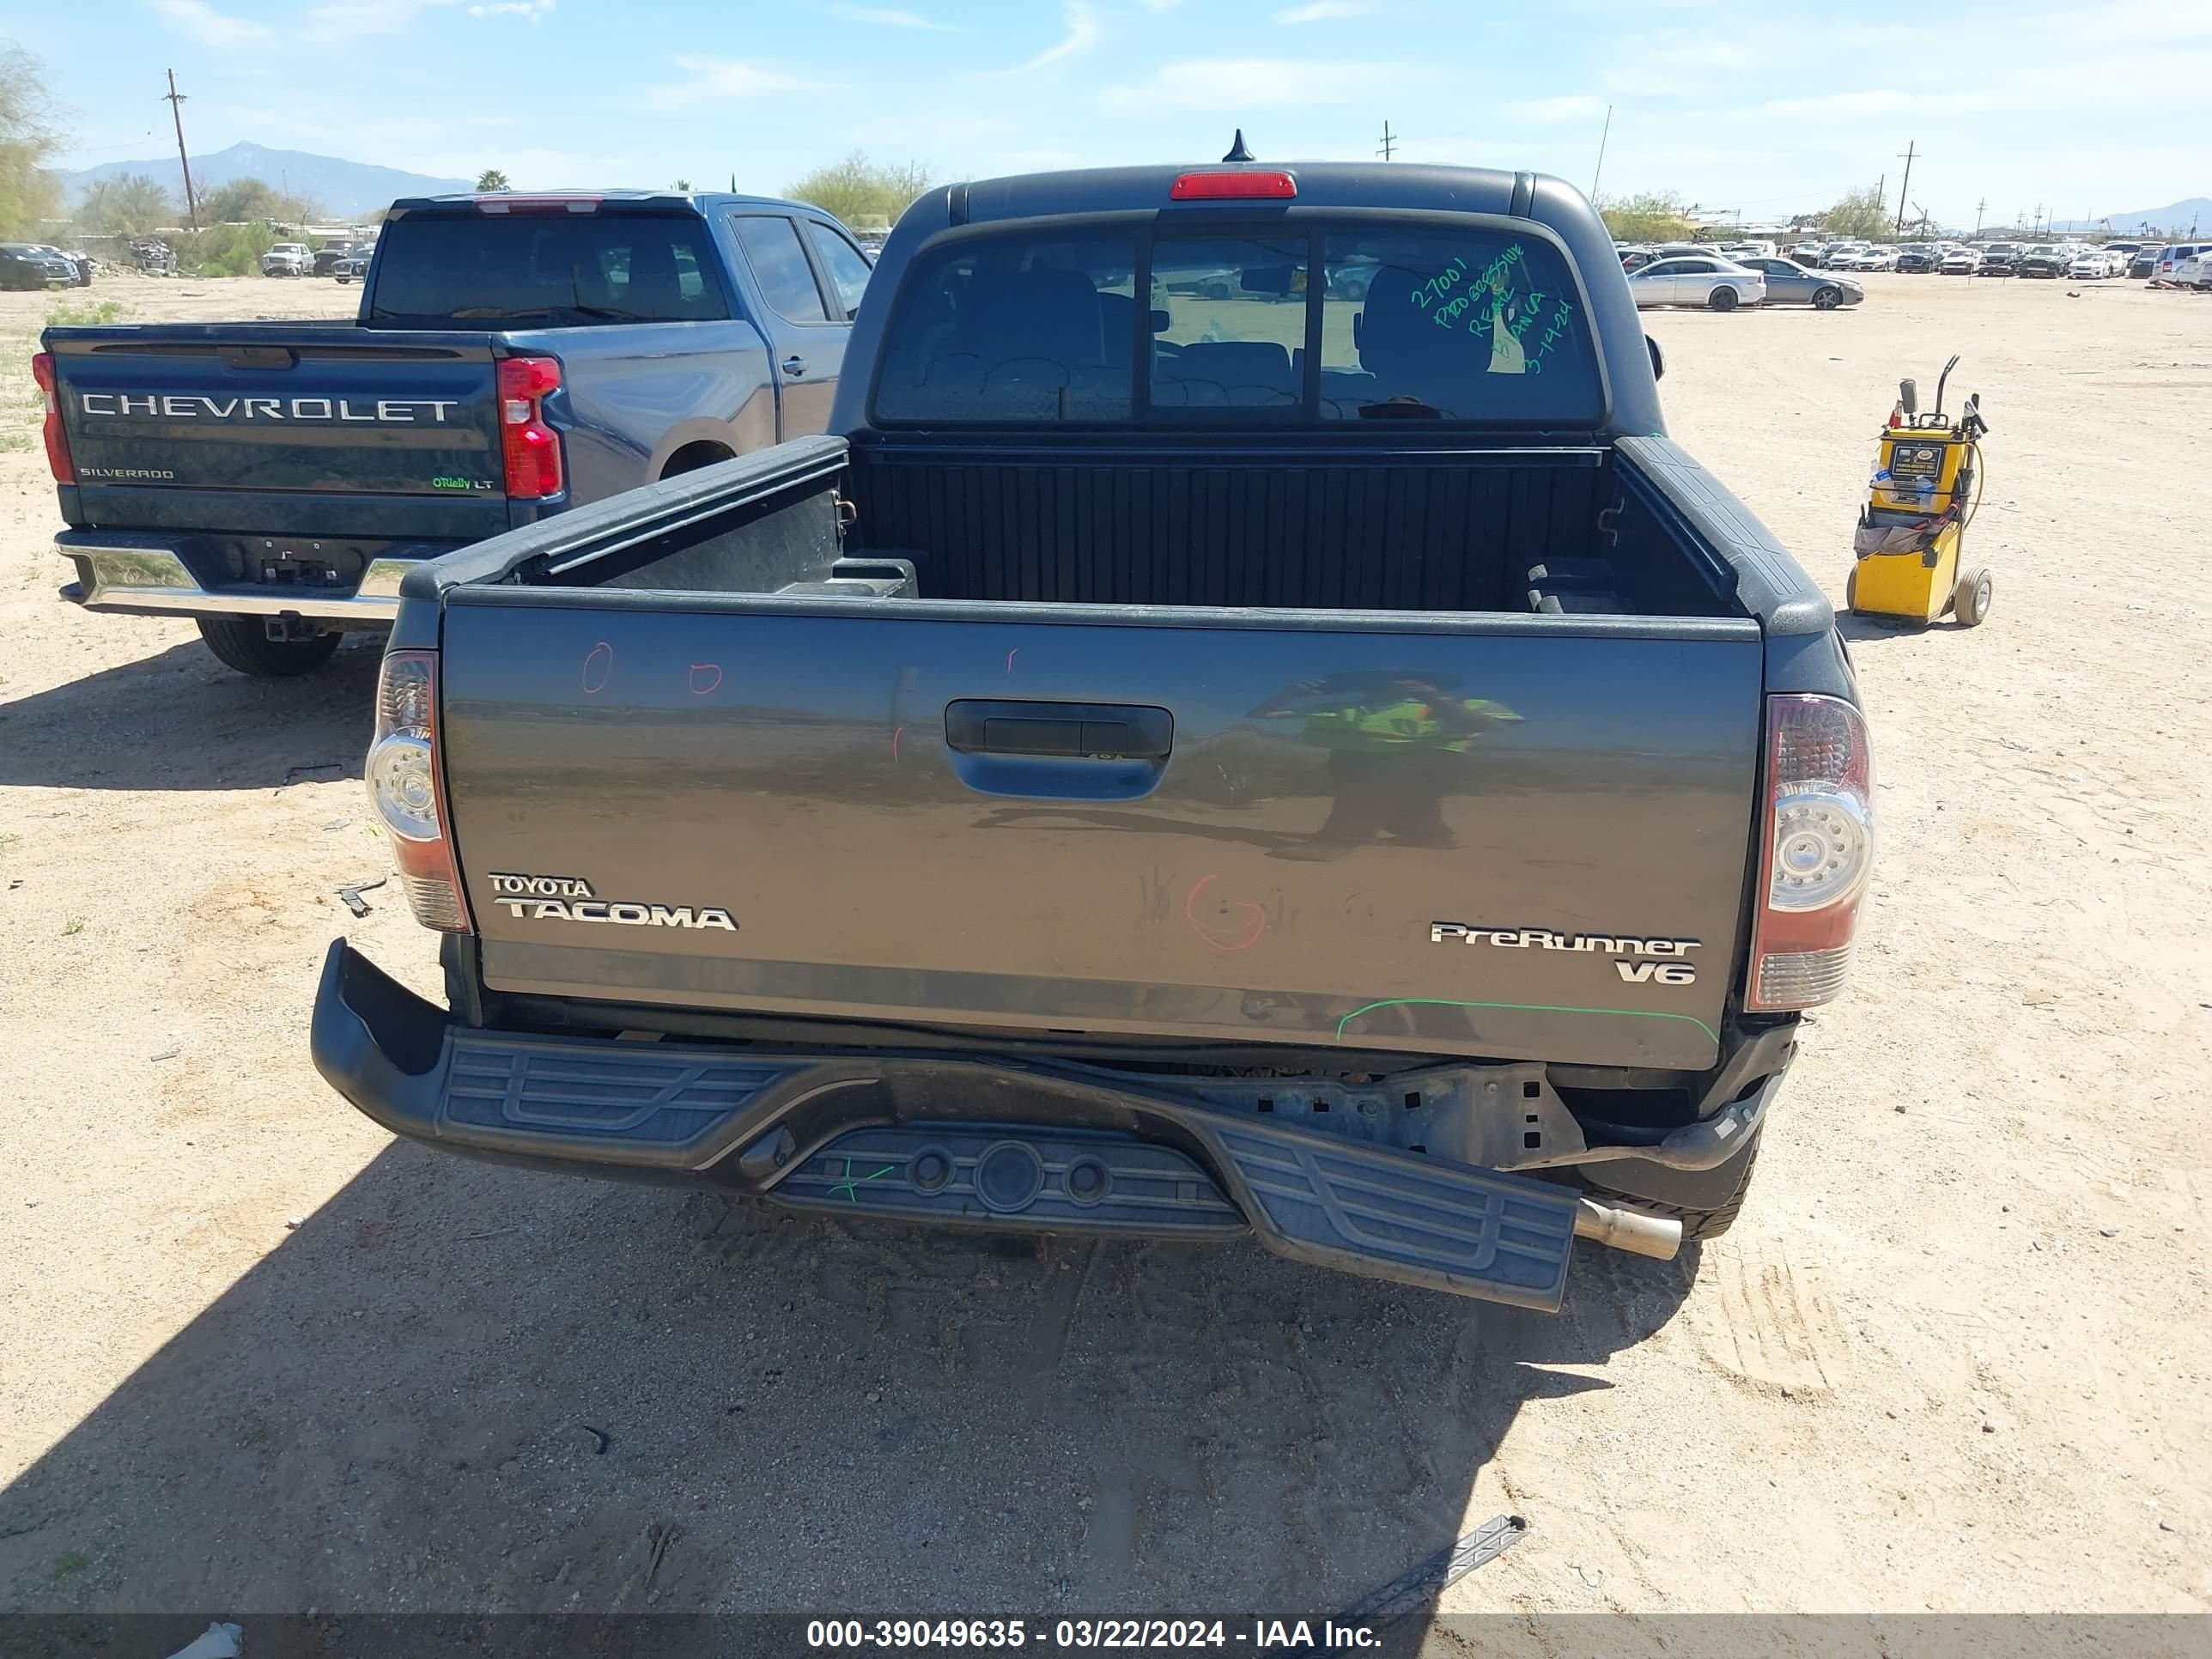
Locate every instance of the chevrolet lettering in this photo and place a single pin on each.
(378, 411)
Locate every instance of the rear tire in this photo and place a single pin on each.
(1828, 299)
(1708, 1219)
(1970, 599)
(241, 642)
(1721, 299)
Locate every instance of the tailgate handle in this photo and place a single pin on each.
(260, 356)
(1067, 731)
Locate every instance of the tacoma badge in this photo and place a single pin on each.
(569, 898)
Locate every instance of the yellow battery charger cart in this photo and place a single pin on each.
(1911, 531)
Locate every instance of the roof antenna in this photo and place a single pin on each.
(1237, 152)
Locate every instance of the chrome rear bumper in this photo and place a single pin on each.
(130, 577)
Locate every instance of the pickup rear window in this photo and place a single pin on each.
(1285, 326)
(468, 270)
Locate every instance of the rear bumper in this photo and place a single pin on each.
(1010, 1145)
(134, 574)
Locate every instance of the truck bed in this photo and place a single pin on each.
(1383, 527)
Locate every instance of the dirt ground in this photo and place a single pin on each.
(1957, 1356)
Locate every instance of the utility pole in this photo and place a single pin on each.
(1911, 147)
(1981, 208)
(1389, 143)
(176, 102)
(1598, 172)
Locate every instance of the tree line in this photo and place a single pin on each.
(1663, 217)
(864, 194)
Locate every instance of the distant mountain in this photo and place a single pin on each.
(2175, 215)
(345, 190)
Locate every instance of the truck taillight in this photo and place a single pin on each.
(532, 447)
(1243, 185)
(58, 450)
(406, 785)
(1819, 852)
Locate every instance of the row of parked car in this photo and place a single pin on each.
(345, 260)
(36, 265)
(2185, 264)
(1721, 279)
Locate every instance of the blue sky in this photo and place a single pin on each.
(1768, 107)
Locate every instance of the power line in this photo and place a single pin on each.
(1598, 172)
(176, 101)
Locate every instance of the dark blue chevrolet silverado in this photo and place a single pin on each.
(1251, 727)
(514, 356)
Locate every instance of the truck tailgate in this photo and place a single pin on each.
(1514, 838)
(282, 429)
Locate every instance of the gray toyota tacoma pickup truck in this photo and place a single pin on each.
(1250, 728)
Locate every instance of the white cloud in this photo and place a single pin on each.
(533, 11)
(1232, 85)
(1323, 11)
(207, 25)
(341, 21)
(1676, 65)
(1159, 5)
(890, 17)
(715, 78)
(1546, 111)
(1840, 104)
(1082, 35)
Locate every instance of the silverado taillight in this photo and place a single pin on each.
(531, 449)
(58, 450)
(1818, 836)
(406, 785)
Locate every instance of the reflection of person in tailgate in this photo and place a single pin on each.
(1397, 745)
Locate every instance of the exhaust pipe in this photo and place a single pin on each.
(1628, 1230)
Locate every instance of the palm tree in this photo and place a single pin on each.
(490, 181)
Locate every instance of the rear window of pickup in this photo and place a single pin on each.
(469, 270)
(1287, 325)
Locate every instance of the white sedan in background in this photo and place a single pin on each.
(1715, 283)
(1876, 258)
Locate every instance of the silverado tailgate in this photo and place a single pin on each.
(1518, 837)
(283, 428)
